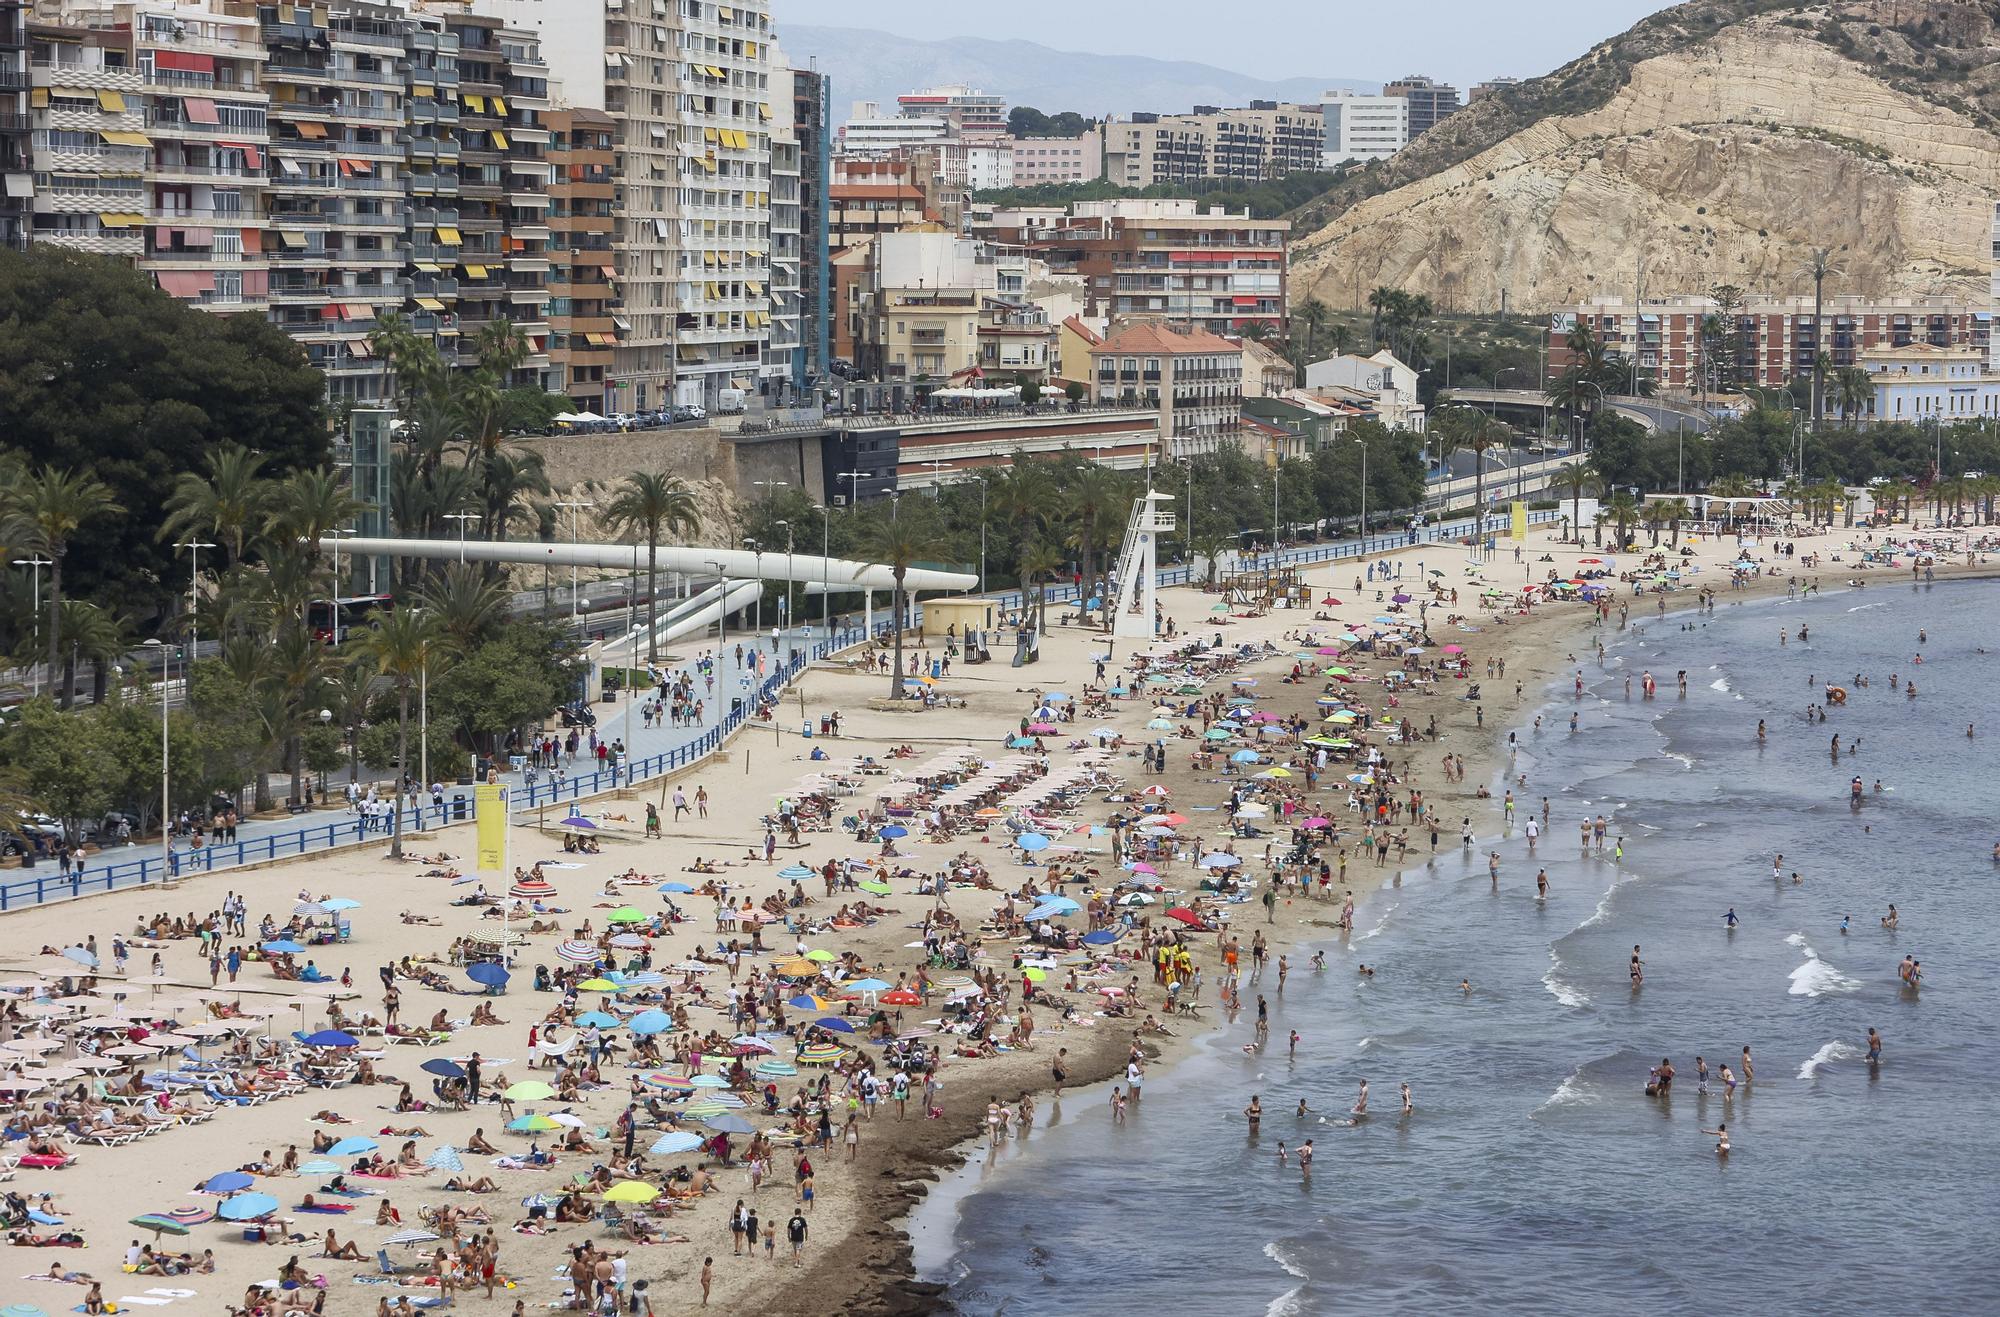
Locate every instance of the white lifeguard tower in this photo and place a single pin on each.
(1138, 564)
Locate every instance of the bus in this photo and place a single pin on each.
(351, 612)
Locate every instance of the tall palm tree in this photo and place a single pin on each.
(1380, 301)
(1623, 509)
(1820, 264)
(1676, 510)
(1039, 560)
(1853, 390)
(308, 504)
(401, 645)
(227, 503)
(1210, 543)
(1313, 314)
(1090, 502)
(95, 636)
(1575, 477)
(41, 512)
(650, 505)
(897, 544)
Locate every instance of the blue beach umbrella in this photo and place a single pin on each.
(895, 830)
(443, 1068)
(1061, 905)
(489, 973)
(646, 1023)
(339, 903)
(247, 1207)
(1103, 937)
(445, 1159)
(352, 1146)
(228, 1182)
(1245, 757)
(283, 946)
(674, 1141)
(1032, 841)
(674, 888)
(601, 1019)
(331, 1038)
(835, 1024)
(795, 871)
(1219, 860)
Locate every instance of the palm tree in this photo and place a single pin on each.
(1853, 390)
(308, 504)
(1313, 314)
(1039, 560)
(1380, 301)
(469, 605)
(1676, 510)
(1210, 543)
(228, 502)
(43, 510)
(897, 544)
(402, 644)
(97, 637)
(1623, 509)
(1653, 513)
(1092, 497)
(1575, 477)
(1819, 264)
(649, 505)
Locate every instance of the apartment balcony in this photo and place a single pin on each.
(100, 244)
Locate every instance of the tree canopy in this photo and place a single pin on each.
(102, 373)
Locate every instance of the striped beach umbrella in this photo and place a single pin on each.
(445, 1159)
(821, 1054)
(532, 889)
(772, 1068)
(675, 1141)
(577, 951)
(669, 1083)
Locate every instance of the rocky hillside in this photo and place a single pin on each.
(1718, 142)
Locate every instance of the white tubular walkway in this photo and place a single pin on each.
(689, 617)
(736, 564)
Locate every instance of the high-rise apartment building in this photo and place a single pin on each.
(90, 151)
(687, 83)
(1361, 127)
(1057, 159)
(583, 335)
(17, 179)
(1429, 101)
(965, 111)
(812, 126)
(1266, 140)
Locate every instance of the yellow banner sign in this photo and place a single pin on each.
(1519, 530)
(490, 818)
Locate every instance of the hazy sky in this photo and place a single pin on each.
(1460, 41)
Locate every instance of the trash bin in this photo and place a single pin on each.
(806, 729)
(458, 811)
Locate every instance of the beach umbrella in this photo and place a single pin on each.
(1399, 599)
(283, 946)
(797, 968)
(309, 908)
(894, 831)
(598, 984)
(247, 1207)
(408, 1237)
(159, 1225)
(875, 887)
(528, 1090)
(1032, 841)
(627, 914)
(1328, 651)
(190, 1215)
(1158, 830)
(532, 889)
(1245, 757)
(577, 951)
(730, 1123)
(81, 956)
(1216, 734)
(901, 997)
(1155, 791)
(772, 1068)
(228, 1182)
(1020, 743)
(336, 904)
(578, 821)
(445, 1159)
(1184, 915)
(1136, 898)
(1161, 725)
(796, 871)
(331, 1038)
(1317, 823)
(669, 1083)
(1454, 649)
(647, 1023)
(568, 1120)
(319, 1166)
(821, 957)
(631, 1191)
(598, 1019)
(1102, 938)
(674, 1141)
(809, 1001)
(645, 978)
(1276, 772)
(821, 1054)
(1172, 820)
(443, 1068)
(531, 1123)
(1219, 860)
(487, 973)
(353, 1145)
(867, 985)
(709, 1081)
(1034, 975)
(834, 1024)
(676, 889)
(1140, 866)
(747, 1044)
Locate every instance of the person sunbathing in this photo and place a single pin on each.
(333, 1248)
(387, 1215)
(478, 1143)
(483, 1185)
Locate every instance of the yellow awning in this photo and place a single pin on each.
(764, 108)
(449, 236)
(473, 102)
(706, 163)
(39, 98)
(725, 13)
(111, 101)
(499, 105)
(292, 238)
(708, 258)
(499, 139)
(430, 304)
(709, 134)
(689, 353)
(750, 50)
(429, 267)
(127, 139)
(756, 289)
(112, 219)
(475, 271)
(422, 89)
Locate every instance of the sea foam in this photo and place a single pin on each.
(1816, 978)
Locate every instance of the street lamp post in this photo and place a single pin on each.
(461, 518)
(721, 609)
(35, 565)
(984, 487)
(575, 509)
(757, 609)
(1364, 492)
(194, 548)
(853, 479)
(1583, 445)
(826, 572)
(166, 772)
(785, 604)
(325, 720)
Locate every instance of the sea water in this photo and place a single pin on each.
(1535, 1174)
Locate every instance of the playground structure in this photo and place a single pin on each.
(1264, 587)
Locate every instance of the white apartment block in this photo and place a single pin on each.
(1057, 159)
(989, 164)
(867, 129)
(689, 82)
(1361, 127)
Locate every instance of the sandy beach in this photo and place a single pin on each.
(856, 1257)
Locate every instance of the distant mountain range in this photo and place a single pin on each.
(866, 65)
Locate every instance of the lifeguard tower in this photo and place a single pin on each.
(1136, 613)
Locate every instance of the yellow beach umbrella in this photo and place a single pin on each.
(631, 1191)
